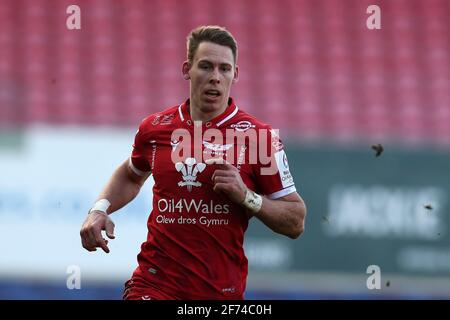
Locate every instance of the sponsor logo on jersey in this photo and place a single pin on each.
(285, 162)
(167, 119)
(283, 169)
(186, 205)
(242, 126)
(189, 170)
(216, 146)
(156, 120)
(231, 289)
(163, 119)
(278, 145)
(153, 142)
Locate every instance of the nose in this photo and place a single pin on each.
(215, 79)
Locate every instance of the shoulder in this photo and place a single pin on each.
(152, 121)
(244, 121)
(248, 125)
(160, 117)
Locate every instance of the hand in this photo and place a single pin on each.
(91, 231)
(227, 180)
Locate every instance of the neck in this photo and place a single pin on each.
(197, 114)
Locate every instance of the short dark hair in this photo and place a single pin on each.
(214, 34)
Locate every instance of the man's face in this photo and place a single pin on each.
(211, 74)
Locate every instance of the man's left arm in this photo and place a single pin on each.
(285, 215)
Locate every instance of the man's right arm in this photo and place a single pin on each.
(122, 187)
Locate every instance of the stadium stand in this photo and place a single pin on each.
(303, 65)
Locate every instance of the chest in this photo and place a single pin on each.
(179, 165)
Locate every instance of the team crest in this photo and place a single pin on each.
(189, 169)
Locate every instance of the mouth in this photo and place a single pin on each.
(212, 94)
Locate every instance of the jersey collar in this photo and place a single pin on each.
(218, 121)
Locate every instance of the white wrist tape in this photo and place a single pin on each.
(101, 205)
(252, 201)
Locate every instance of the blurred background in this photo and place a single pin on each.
(71, 101)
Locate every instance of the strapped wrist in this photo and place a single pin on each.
(252, 201)
(101, 205)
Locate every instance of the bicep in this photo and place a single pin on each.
(134, 174)
(292, 197)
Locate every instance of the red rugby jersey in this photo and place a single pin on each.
(194, 248)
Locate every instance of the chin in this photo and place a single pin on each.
(208, 108)
(211, 106)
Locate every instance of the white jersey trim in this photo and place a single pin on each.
(231, 115)
(181, 112)
(136, 170)
(282, 193)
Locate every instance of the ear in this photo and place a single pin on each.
(236, 74)
(185, 69)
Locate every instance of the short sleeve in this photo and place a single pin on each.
(273, 177)
(141, 155)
